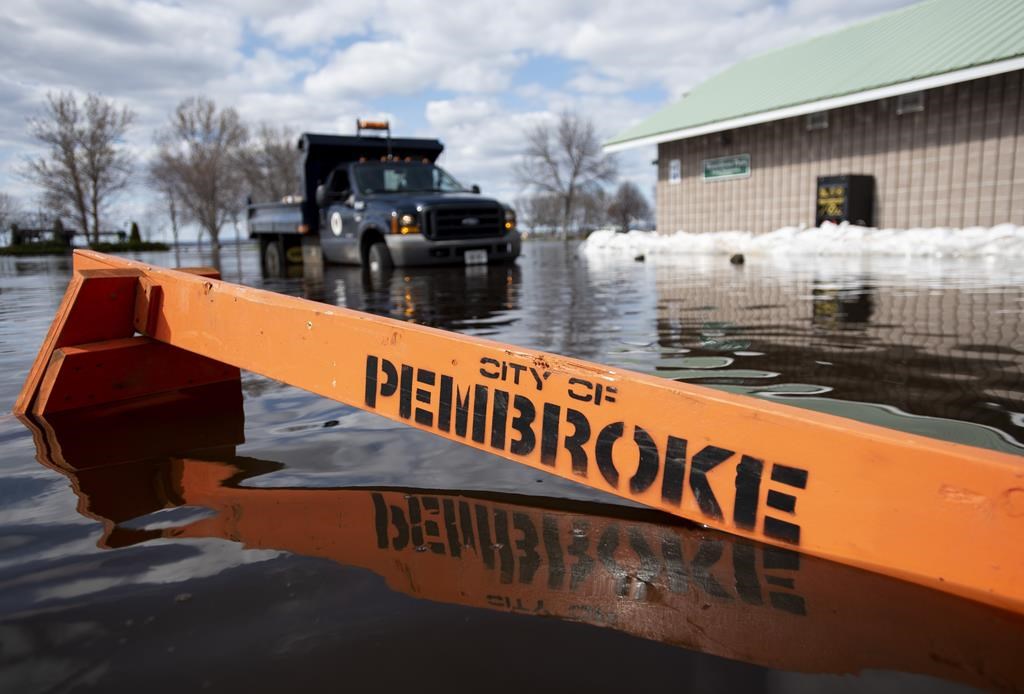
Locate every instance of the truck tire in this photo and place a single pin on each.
(273, 263)
(378, 257)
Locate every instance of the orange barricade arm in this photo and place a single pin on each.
(937, 513)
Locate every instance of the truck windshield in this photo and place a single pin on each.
(403, 177)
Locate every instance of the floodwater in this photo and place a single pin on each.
(232, 541)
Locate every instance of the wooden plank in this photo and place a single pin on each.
(202, 271)
(101, 261)
(115, 370)
(98, 305)
(941, 514)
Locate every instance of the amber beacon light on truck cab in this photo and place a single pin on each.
(379, 202)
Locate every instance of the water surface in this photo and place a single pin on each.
(234, 541)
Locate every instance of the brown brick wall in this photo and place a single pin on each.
(960, 162)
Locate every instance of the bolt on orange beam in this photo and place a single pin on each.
(940, 514)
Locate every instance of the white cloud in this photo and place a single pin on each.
(318, 64)
(482, 140)
(369, 68)
(622, 45)
(590, 83)
(115, 46)
(462, 47)
(315, 23)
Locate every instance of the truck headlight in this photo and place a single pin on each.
(404, 223)
(510, 219)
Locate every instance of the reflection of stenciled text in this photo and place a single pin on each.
(559, 552)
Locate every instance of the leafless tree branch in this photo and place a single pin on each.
(86, 162)
(564, 160)
(627, 205)
(271, 164)
(198, 164)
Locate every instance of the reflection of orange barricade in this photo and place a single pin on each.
(941, 514)
(620, 568)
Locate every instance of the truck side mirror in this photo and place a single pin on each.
(475, 188)
(321, 195)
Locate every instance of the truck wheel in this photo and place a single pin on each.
(272, 264)
(379, 257)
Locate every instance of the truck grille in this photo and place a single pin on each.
(464, 221)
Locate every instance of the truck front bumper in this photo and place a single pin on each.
(414, 249)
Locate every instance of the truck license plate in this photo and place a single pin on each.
(478, 257)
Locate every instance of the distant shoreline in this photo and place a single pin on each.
(61, 249)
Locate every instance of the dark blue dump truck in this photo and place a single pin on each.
(380, 202)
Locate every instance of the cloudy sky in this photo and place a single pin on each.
(472, 73)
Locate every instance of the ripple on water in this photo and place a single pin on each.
(934, 349)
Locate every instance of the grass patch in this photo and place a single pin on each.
(50, 248)
(35, 249)
(104, 247)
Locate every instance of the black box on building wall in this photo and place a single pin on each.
(845, 199)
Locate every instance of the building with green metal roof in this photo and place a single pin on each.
(911, 119)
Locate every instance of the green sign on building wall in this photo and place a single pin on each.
(727, 167)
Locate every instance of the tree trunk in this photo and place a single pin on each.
(567, 216)
(238, 245)
(215, 255)
(214, 233)
(83, 223)
(173, 209)
(95, 218)
(76, 183)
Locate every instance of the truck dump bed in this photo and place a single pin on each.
(321, 155)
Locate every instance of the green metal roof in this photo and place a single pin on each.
(923, 40)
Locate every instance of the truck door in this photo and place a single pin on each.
(338, 227)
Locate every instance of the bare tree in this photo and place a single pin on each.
(593, 209)
(271, 164)
(173, 214)
(563, 159)
(197, 164)
(160, 180)
(539, 211)
(86, 161)
(166, 206)
(628, 204)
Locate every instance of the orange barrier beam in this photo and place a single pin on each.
(941, 514)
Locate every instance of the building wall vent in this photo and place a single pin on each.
(817, 121)
(909, 103)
